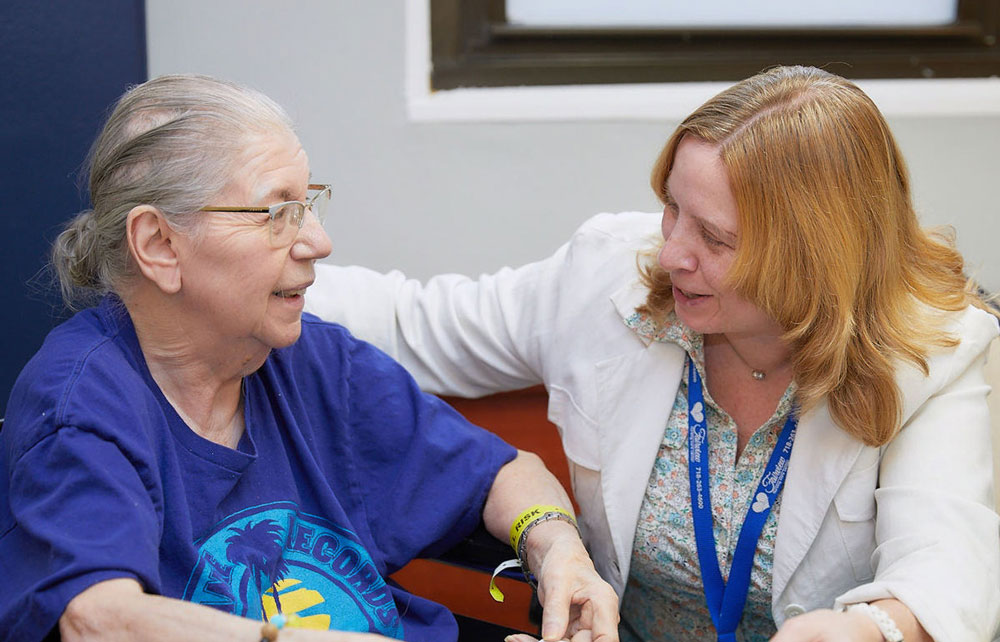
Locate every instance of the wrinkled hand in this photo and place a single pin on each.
(577, 604)
(828, 626)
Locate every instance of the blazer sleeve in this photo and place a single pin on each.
(456, 335)
(938, 548)
(502, 331)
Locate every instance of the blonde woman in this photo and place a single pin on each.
(774, 413)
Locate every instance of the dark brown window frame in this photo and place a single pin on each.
(472, 45)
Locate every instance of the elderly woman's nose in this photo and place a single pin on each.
(312, 241)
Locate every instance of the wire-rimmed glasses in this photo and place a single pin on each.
(287, 218)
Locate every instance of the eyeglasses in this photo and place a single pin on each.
(287, 218)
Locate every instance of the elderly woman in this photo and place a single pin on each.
(776, 422)
(193, 456)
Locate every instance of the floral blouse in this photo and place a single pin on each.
(664, 599)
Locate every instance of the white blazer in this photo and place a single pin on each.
(911, 520)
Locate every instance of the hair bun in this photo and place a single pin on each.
(73, 257)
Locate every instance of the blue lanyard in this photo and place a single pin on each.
(726, 601)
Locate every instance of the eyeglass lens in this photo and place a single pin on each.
(289, 218)
(320, 204)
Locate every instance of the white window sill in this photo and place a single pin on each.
(674, 101)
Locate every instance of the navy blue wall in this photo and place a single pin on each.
(62, 63)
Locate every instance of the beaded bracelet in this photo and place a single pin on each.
(882, 620)
(269, 631)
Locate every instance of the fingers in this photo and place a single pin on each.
(581, 636)
(604, 616)
(590, 614)
(555, 613)
(575, 599)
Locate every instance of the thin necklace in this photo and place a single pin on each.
(756, 373)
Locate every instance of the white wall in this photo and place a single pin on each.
(471, 197)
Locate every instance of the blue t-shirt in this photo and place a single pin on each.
(345, 472)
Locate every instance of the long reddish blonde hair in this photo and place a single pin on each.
(829, 244)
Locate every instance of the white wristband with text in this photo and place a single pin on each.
(882, 620)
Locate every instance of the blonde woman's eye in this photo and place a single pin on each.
(711, 240)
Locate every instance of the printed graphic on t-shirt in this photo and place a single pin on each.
(273, 559)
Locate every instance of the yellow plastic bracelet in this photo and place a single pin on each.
(530, 515)
(521, 525)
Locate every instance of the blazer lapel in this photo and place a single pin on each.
(636, 393)
(822, 457)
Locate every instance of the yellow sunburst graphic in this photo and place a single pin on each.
(294, 600)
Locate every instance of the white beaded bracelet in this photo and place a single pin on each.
(882, 620)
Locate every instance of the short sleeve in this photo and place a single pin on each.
(77, 513)
(425, 471)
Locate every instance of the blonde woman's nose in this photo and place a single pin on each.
(675, 255)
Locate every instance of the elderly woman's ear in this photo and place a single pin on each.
(151, 244)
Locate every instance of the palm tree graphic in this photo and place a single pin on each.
(258, 548)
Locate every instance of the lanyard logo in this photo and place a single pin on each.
(761, 503)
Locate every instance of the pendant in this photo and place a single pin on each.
(758, 375)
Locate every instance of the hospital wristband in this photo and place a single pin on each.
(518, 538)
(884, 622)
(538, 512)
(531, 519)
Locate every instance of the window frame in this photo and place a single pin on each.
(472, 45)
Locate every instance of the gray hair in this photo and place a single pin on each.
(173, 143)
